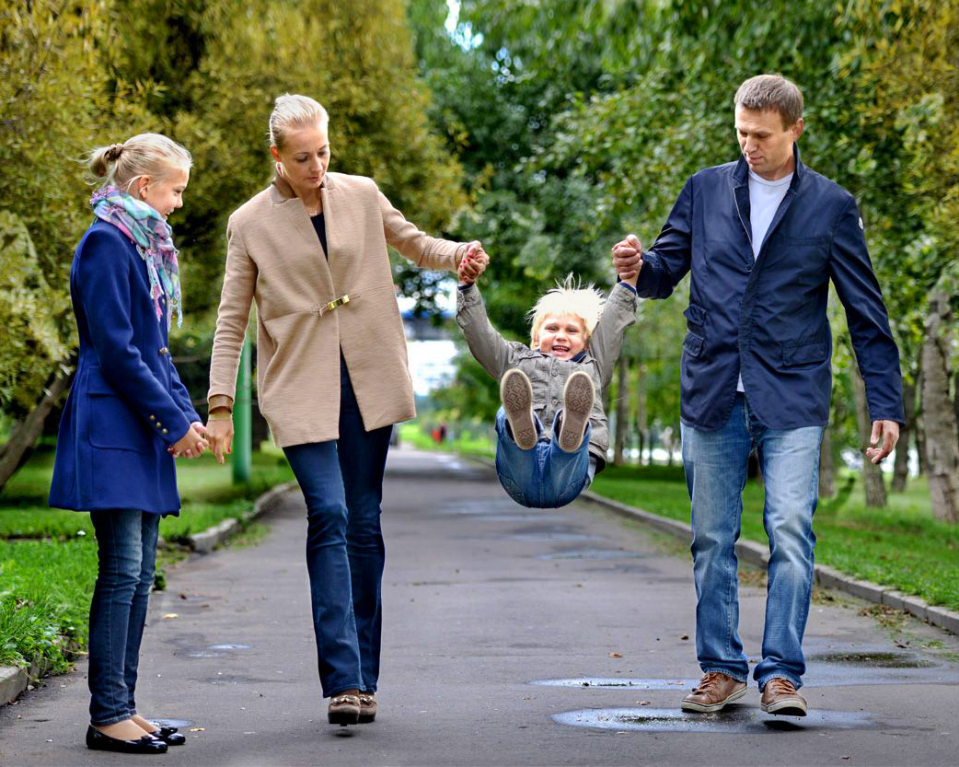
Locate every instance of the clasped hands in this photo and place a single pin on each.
(473, 263)
(192, 444)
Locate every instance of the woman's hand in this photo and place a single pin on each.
(192, 444)
(219, 430)
(473, 263)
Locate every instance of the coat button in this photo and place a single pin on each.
(164, 431)
(153, 417)
(159, 424)
(164, 350)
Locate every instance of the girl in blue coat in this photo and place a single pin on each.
(127, 417)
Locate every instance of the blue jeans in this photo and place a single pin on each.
(715, 463)
(342, 481)
(545, 477)
(127, 544)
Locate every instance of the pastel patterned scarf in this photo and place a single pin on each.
(153, 238)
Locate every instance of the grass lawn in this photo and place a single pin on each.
(901, 546)
(48, 556)
(477, 441)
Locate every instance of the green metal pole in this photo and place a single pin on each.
(243, 421)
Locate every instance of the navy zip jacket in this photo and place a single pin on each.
(767, 317)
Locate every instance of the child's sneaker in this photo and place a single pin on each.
(577, 405)
(517, 394)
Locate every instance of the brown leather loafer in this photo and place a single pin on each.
(713, 692)
(780, 697)
(367, 707)
(344, 709)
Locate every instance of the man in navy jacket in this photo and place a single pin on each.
(761, 238)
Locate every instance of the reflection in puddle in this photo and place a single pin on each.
(620, 683)
(734, 719)
(180, 724)
(603, 554)
(874, 659)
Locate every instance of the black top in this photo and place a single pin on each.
(320, 225)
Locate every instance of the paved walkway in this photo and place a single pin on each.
(482, 600)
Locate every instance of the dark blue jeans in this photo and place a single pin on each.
(715, 463)
(342, 481)
(127, 542)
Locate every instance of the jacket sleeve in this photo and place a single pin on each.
(103, 275)
(490, 349)
(416, 246)
(239, 284)
(667, 262)
(876, 353)
(607, 341)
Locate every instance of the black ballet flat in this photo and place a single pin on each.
(97, 741)
(170, 735)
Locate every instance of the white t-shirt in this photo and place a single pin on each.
(764, 199)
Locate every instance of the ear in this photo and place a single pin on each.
(142, 184)
(798, 129)
(275, 153)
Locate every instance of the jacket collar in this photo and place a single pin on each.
(281, 191)
(741, 171)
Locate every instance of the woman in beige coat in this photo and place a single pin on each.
(332, 371)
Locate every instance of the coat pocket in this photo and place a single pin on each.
(693, 344)
(805, 353)
(114, 425)
(695, 315)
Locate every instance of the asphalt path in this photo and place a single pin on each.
(512, 636)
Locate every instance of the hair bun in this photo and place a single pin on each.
(113, 153)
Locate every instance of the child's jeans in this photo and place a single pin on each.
(545, 477)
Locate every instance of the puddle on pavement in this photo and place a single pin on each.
(604, 554)
(733, 720)
(225, 650)
(873, 659)
(620, 683)
(180, 724)
(229, 647)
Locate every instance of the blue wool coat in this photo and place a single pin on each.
(127, 404)
(767, 317)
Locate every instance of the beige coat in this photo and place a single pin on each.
(274, 257)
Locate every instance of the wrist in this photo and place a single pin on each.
(220, 414)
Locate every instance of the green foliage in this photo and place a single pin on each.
(31, 342)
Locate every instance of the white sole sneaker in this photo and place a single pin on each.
(578, 396)
(516, 392)
(700, 708)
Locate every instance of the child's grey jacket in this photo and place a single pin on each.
(548, 374)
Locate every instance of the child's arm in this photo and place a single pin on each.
(490, 349)
(607, 340)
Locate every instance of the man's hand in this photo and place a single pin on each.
(628, 259)
(219, 431)
(888, 432)
(473, 263)
(192, 444)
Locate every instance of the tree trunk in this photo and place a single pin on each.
(900, 472)
(871, 474)
(622, 410)
(942, 447)
(641, 417)
(27, 432)
(827, 469)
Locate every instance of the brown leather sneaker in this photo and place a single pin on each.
(780, 697)
(367, 707)
(713, 692)
(344, 709)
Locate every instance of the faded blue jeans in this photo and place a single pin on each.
(342, 481)
(126, 550)
(545, 477)
(715, 463)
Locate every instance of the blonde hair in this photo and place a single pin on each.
(292, 112)
(147, 154)
(568, 298)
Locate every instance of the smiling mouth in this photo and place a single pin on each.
(561, 349)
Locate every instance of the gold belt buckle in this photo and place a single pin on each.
(335, 304)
